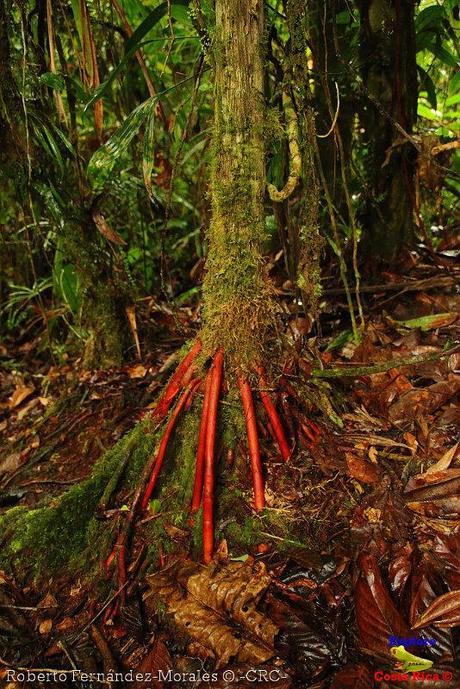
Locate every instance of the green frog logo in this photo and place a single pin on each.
(408, 662)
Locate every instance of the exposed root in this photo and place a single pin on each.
(187, 380)
(200, 454)
(273, 415)
(164, 444)
(208, 483)
(176, 382)
(253, 443)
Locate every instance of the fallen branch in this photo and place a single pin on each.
(356, 371)
(414, 286)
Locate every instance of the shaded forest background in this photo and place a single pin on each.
(106, 151)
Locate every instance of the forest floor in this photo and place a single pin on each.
(377, 503)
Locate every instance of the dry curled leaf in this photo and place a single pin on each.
(105, 229)
(444, 462)
(435, 494)
(423, 585)
(422, 401)
(206, 602)
(157, 660)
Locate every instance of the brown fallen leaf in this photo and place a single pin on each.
(49, 601)
(422, 401)
(376, 614)
(137, 371)
(400, 568)
(435, 495)
(443, 612)
(432, 485)
(205, 603)
(157, 660)
(131, 314)
(361, 470)
(11, 463)
(45, 626)
(423, 585)
(65, 625)
(446, 508)
(353, 677)
(21, 393)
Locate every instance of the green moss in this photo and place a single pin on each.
(64, 532)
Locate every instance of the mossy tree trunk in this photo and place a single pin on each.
(238, 307)
(104, 292)
(390, 76)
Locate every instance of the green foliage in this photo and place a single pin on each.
(22, 298)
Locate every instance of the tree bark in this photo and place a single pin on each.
(327, 38)
(389, 73)
(238, 306)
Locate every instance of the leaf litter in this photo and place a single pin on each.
(376, 505)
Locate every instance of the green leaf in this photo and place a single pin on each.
(427, 84)
(431, 322)
(132, 44)
(443, 54)
(155, 506)
(49, 144)
(53, 81)
(148, 154)
(453, 100)
(431, 17)
(428, 113)
(105, 158)
(343, 17)
(68, 287)
(340, 341)
(454, 84)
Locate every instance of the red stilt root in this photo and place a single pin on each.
(177, 381)
(273, 415)
(253, 443)
(208, 481)
(164, 445)
(201, 448)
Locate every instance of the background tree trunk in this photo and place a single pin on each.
(389, 72)
(327, 38)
